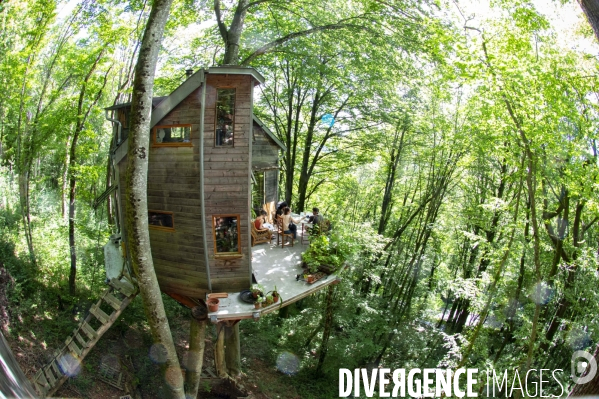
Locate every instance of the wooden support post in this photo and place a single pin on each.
(195, 357)
(219, 351)
(232, 349)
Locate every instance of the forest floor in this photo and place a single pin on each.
(35, 330)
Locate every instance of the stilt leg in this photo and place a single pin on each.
(195, 357)
(219, 351)
(232, 349)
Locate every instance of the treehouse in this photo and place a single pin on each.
(212, 167)
(208, 152)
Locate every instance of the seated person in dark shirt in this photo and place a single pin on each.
(280, 208)
(316, 217)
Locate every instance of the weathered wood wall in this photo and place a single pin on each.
(227, 180)
(265, 152)
(174, 186)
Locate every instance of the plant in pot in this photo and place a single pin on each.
(269, 300)
(259, 301)
(326, 254)
(213, 304)
(257, 290)
(275, 295)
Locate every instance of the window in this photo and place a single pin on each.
(161, 220)
(225, 117)
(171, 135)
(227, 237)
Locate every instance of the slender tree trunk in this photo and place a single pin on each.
(136, 198)
(195, 357)
(65, 180)
(81, 121)
(328, 325)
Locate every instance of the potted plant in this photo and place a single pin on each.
(213, 304)
(269, 300)
(326, 254)
(259, 301)
(257, 290)
(275, 295)
(309, 278)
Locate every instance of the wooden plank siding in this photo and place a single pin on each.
(174, 186)
(265, 152)
(227, 181)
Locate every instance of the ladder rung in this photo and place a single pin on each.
(124, 287)
(42, 379)
(55, 368)
(40, 389)
(81, 340)
(112, 301)
(89, 331)
(50, 376)
(73, 346)
(99, 313)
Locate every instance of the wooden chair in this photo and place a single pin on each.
(260, 236)
(281, 233)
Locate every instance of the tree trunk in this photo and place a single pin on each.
(591, 10)
(231, 36)
(81, 120)
(136, 198)
(232, 350)
(328, 324)
(219, 351)
(195, 357)
(65, 180)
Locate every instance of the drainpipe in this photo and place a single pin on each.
(118, 128)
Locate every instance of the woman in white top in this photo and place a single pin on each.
(289, 228)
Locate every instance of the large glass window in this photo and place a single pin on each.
(227, 240)
(225, 117)
(172, 135)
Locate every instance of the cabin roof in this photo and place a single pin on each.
(269, 133)
(155, 102)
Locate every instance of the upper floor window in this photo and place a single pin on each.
(225, 117)
(172, 135)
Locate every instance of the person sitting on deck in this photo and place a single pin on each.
(280, 208)
(288, 226)
(261, 223)
(316, 218)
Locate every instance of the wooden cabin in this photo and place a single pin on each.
(212, 166)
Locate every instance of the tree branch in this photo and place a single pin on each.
(269, 46)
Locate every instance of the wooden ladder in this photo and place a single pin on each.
(67, 361)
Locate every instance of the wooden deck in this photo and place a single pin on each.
(272, 266)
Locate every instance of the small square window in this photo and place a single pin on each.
(225, 117)
(227, 237)
(171, 135)
(161, 220)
